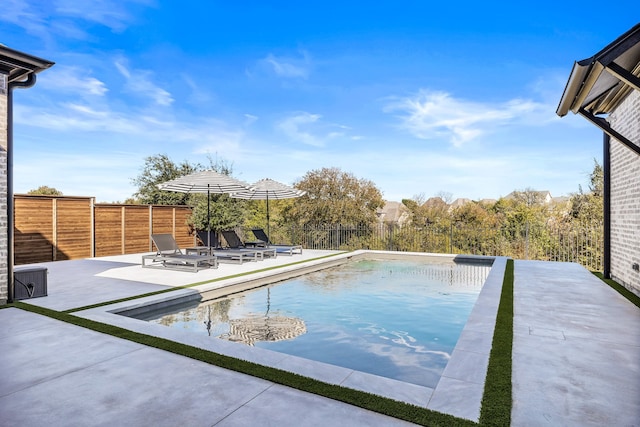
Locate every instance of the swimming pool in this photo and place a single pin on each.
(398, 319)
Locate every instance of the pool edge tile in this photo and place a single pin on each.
(386, 387)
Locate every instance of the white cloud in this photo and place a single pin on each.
(72, 80)
(73, 116)
(430, 115)
(249, 119)
(21, 13)
(220, 139)
(109, 13)
(199, 93)
(139, 81)
(288, 67)
(310, 129)
(293, 128)
(49, 19)
(106, 177)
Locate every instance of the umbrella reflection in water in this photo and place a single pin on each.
(254, 328)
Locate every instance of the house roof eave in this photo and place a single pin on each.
(595, 83)
(18, 66)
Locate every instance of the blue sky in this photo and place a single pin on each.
(418, 97)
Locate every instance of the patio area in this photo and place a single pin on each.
(576, 356)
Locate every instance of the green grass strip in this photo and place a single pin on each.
(191, 285)
(635, 299)
(497, 400)
(358, 398)
(115, 301)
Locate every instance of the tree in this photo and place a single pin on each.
(225, 212)
(334, 197)
(587, 208)
(156, 170)
(524, 207)
(432, 211)
(44, 190)
(446, 196)
(474, 214)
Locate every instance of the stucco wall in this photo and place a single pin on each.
(625, 195)
(4, 277)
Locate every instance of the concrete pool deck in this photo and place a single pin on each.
(57, 373)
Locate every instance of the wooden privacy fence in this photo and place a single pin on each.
(54, 228)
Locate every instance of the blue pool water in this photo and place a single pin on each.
(397, 319)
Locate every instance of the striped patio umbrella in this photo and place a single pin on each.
(268, 189)
(206, 182)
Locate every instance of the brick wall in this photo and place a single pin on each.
(625, 195)
(4, 243)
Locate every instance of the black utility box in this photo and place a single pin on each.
(29, 282)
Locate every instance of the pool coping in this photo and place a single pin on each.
(458, 392)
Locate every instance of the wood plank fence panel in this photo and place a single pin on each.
(74, 228)
(183, 233)
(108, 230)
(33, 231)
(136, 229)
(49, 228)
(162, 220)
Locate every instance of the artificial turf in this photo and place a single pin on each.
(400, 410)
(496, 402)
(635, 299)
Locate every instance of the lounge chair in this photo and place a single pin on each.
(280, 248)
(223, 255)
(235, 242)
(204, 237)
(170, 256)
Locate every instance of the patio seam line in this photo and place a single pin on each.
(604, 341)
(347, 377)
(310, 386)
(72, 371)
(272, 385)
(383, 407)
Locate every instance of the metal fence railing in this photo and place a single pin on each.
(583, 245)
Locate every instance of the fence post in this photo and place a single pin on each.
(150, 228)
(526, 240)
(54, 223)
(451, 238)
(123, 230)
(337, 237)
(92, 206)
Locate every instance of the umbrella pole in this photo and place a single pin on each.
(208, 217)
(268, 242)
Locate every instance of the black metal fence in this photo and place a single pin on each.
(570, 243)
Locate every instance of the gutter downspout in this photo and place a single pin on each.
(606, 204)
(24, 84)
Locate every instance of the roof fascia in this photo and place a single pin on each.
(623, 75)
(18, 65)
(578, 73)
(585, 73)
(606, 128)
